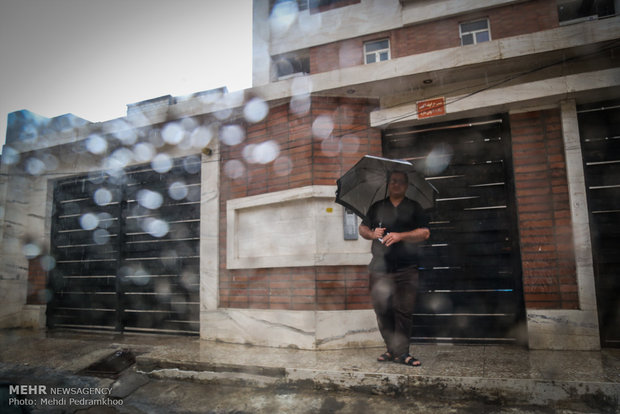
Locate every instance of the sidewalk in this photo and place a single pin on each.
(490, 372)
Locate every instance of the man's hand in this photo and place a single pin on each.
(378, 233)
(392, 238)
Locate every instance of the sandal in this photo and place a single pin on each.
(385, 357)
(409, 360)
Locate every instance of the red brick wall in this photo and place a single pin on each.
(513, 20)
(36, 282)
(304, 160)
(549, 278)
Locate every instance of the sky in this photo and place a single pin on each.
(93, 57)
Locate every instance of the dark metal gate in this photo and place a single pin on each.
(126, 246)
(470, 277)
(600, 140)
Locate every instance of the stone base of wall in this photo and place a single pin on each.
(563, 330)
(311, 330)
(31, 316)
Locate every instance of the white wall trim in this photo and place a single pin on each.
(292, 228)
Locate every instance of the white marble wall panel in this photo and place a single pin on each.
(291, 228)
(299, 329)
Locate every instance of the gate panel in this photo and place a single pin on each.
(135, 264)
(470, 277)
(600, 140)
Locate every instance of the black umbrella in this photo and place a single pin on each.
(366, 182)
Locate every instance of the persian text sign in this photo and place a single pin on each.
(431, 107)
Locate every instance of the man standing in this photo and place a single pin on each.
(396, 225)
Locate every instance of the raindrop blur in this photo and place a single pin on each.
(255, 110)
(283, 166)
(189, 124)
(51, 162)
(162, 163)
(150, 199)
(192, 164)
(301, 85)
(322, 126)
(331, 147)
(89, 221)
(234, 169)
(35, 166)
(438, 159)
(10, 155)
(143, 152)
(47, 262)
(310, 23)
(31, 250)
(173, 133)
(266, 152)
(232, 134)
(118, 160)
(128, 136)
(101, 236)
(177, 190)
(300, 104)
(283, 15)
(350, 144)
(105, 220)
(155, 227)
(102, 196)
(201, 137)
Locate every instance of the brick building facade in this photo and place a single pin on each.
(268, 263)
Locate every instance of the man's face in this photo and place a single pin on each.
(397, 186)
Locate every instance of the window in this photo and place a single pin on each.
(377, 51)
(573, 11)
(475, 32)
(290, 65)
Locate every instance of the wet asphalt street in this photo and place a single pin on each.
(174, 396)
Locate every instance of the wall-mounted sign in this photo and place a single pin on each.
(431, 107)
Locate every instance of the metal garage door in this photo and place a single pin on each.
(600, 140)
(126, 247)
(471, 286)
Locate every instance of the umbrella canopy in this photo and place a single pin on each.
(366, 182)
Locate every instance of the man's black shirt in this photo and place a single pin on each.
(407, 216)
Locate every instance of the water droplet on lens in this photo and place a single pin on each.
(10, 156)
(102, 196)
(162, 163)
(201, 137)
(255, 110)
(31, 250)
(35, 166)
(47, 263)
(89, 221)
(283, 166)
(322, 126)
(173, 133)
(178, 190)
(266, 152)
(144, 152)
(232, 134)
(234, 169)
(192, 164)
(156, 227)
(101, 236)
(150, 199)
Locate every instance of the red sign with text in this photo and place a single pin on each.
(431, 107)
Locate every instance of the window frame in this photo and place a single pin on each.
(475, 32)
(377, 52)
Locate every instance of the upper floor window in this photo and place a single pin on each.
(475, 32)
(377, 51)
(291, 64)
(570, 11)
